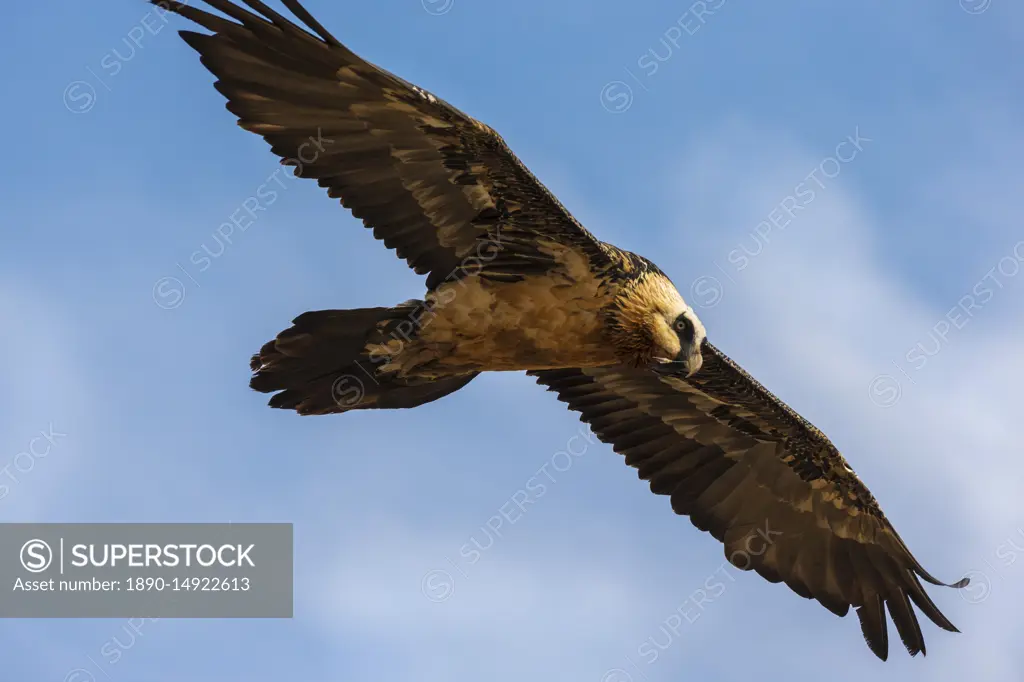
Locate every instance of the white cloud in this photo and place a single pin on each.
(504, 617)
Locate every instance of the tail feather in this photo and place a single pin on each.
(319, 365)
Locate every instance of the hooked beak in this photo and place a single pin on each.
(695, 362)
(687, 366)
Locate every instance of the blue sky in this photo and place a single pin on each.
(122, 165)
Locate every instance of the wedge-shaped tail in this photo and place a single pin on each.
(320, 364)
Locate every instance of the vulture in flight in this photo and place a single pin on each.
(514, 282)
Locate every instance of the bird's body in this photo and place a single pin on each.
(569, 316)
(477, 324)
(514, 282)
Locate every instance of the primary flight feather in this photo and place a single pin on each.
(514, 282)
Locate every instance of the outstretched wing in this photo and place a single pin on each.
(439, 187)
(749, 470)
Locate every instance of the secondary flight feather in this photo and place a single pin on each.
(514, 282)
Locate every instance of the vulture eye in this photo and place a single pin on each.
(684, 327)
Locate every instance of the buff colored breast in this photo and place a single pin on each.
(542, 322)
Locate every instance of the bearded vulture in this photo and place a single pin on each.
(514, 282)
